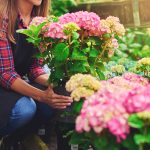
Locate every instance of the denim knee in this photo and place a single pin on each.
(23, 111)
(45, 110)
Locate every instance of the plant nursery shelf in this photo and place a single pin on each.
(132, 13)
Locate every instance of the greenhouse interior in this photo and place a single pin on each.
(76, 74)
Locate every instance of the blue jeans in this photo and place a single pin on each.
(22, 113)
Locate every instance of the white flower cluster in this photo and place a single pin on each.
(82, 86)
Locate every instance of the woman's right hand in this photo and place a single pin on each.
(55, 100)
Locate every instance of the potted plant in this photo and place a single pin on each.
(74, 43)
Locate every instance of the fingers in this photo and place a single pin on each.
(50, 90)
(56, 96)
(59, 105)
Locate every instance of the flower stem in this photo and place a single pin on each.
(141, 147)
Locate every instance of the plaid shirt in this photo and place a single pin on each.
(7, 70)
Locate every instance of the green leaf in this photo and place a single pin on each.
(93, 52)
(77, 106)
(36, 29)
(78, 55)
(123, 47)
(59, 73)
(26, 32)
(139, 139)
(135, 45)
(61, 52)
(100, 143)
(99, 65)
(135, 122)
(86, 50)
(78, 67)
(129, 142)
(93, 71)
(76, 138)
(147, 138)
(100, 74)
(34, 41)
(75, 35)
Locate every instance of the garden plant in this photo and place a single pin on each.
(112, 99)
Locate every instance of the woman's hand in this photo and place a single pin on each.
(55, 100)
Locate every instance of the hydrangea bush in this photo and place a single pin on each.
(77, 42)
(120, 108)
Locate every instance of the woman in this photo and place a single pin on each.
(19, 99)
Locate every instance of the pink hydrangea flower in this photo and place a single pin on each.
(99, 111)
(119, 127)
(85, 20)
(138, 100)
(111, 106)
(55, 30)
(66, 18)
(135, 78)
(38, 20)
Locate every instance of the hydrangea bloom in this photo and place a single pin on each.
(135, 78)
(37, 21)
(100, 112)
(66, 18)
(70, 27)
(82, 80)
(123, 83)
(111, 106)
(118, 69)
(138, 100)
(112, 25)
(144, 61)
(81, 92)
(55, 30)
(85, 20)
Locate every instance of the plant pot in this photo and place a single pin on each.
(64, 123)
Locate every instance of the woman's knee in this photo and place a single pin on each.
(45, 110)
(24, 110)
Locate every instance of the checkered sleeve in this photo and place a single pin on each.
(36, 69)
(7, 71)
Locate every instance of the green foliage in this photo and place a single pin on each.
(77, 106)
(141, 139)
(60, 7)
(61, 52)
(97, 142)
(135, 44)
(135, 122)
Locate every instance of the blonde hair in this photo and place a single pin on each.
(9, 10)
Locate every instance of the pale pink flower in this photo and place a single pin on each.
(99, 111)
(85, 20)
(37, 21)
(115, 43)
(67, 18)
(55, 30)
(119, 127)
(135, 78)
(111, 106)
(138, 99)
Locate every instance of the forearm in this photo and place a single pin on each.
(26, 89)
(43, 80)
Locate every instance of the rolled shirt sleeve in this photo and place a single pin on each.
(36, 69)
(7, 71)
